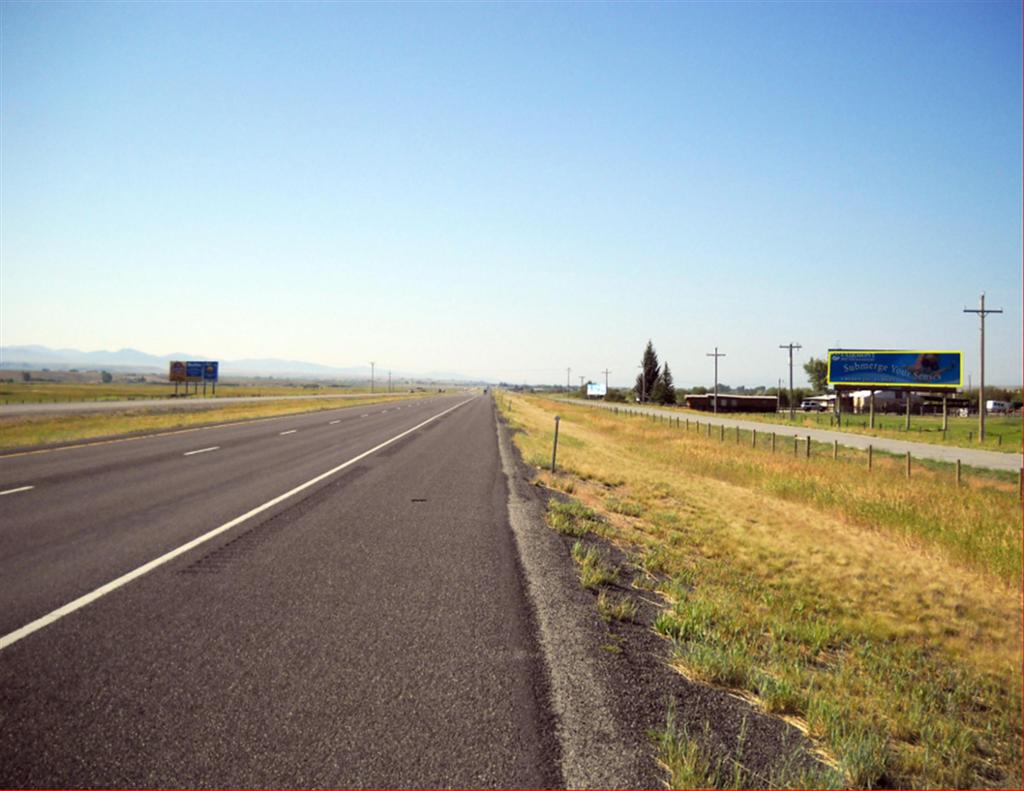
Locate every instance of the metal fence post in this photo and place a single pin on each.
(753, 438)
(554, 449)
(870, 455)
(958, 473)
(807, 451)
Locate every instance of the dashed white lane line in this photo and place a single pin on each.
(201, 450)
(292, 431)
(332, 422)
(13, 637)
(15, 491)
(364, 416)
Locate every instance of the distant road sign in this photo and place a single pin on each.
(194, 370)
(178, 371)
(923, 369)
(210, 370)
(596, 390)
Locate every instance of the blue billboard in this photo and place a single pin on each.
(201, 370)
(922, 369)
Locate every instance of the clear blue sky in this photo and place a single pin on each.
(509, 190)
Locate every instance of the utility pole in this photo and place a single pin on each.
(643, 385)
(982, 313)
(389, 380)
(606, 372)
(372, 364)
(716, 355)
(791, 346)
(568, 387)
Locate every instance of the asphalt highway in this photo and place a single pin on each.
(360, 620)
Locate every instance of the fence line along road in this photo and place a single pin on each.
(986, 459)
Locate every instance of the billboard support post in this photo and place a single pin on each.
(906, 425)
(945, 416)
(871, 409)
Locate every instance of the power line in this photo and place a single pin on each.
(982, 313)
(791, 346)
(716, 355)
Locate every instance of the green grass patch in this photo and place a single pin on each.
(594, 569)
(572, 518)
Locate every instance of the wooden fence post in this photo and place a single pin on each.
(870, 456)
(958, 473)
(773, 442)
(753, 438)
(908, 463)
(835, 450)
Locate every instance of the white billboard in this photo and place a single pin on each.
(598, 391)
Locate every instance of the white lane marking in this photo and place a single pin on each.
(287, 432)
(124, 579)
(332, 422)
(19, 489)
(201, 450)
(364, 416)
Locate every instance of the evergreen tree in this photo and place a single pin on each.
(664, 389)
(646, 380)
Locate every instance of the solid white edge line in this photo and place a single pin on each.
(201, 450)
(19, 489)
(282, 433)
(124, 579)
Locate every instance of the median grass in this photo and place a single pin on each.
(881, 615)
(42, 392)
(27, 432)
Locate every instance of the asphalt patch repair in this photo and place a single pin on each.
(739, 740)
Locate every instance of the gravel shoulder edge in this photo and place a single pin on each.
(597, 751)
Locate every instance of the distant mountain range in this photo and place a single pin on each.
(133, 360)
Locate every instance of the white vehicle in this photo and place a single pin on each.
(997, 407)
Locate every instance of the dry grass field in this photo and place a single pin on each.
(882, 615)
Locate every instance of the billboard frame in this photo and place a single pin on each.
(913, 386)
